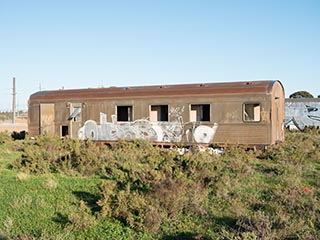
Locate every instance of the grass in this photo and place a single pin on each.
(41, 207)
(136, 191)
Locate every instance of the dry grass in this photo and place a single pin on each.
(21, 176)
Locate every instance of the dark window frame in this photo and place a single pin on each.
(124, 113)
(162, 112)
(249, 114)
(203, 112)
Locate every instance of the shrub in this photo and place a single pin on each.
(50, 154)
(148, 186)
(5, 137)
(239, 195)
(81, 219)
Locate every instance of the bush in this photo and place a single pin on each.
(149, 186)
(5, 137)
(51, 154)
(240, 195)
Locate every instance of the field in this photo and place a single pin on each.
(68, 189)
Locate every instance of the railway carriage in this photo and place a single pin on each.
(248, 113)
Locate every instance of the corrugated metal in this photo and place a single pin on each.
(249, 87)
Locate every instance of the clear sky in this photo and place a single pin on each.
(81, 44)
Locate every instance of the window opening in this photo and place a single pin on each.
(64, 131)
(124, 113)
(159, 113)
(75, 115)
(200, 113)
(251, 112)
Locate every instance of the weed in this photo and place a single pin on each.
(50, 184)
(21, 202)
(22, 176)
(81, 219)
(7, 226)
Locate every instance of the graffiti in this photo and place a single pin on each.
(204, 134)
(301, 114)
(167, 132)
(311, 109)
(176, 112)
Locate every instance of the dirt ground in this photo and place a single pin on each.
(20, 125)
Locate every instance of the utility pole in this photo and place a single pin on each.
(14, 105)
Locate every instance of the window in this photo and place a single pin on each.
(124, 113)
(251, 112)
(75, 115)
(64, 131)
(200, 113)
(159, 113)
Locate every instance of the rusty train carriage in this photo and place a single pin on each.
(250, 113)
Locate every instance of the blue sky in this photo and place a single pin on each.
(81, 44)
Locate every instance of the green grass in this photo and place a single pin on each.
(40, 206)
(75, 190)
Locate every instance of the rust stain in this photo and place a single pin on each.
(258, 87)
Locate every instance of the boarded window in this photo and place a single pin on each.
(124, 113)
(159, 113)
(251, 112)
(200, 113)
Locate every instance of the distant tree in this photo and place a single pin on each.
(301, 94)
(318, 96)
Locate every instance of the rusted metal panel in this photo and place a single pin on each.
(33, 119)
(250, 134)
(256, 87)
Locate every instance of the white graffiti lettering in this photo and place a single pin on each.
(167, 132)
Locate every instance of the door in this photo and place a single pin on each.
(277, 113)
(47, 119)
(279, 121)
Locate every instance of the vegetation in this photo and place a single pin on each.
(7, 115)
(301, 94)
(69, 189)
